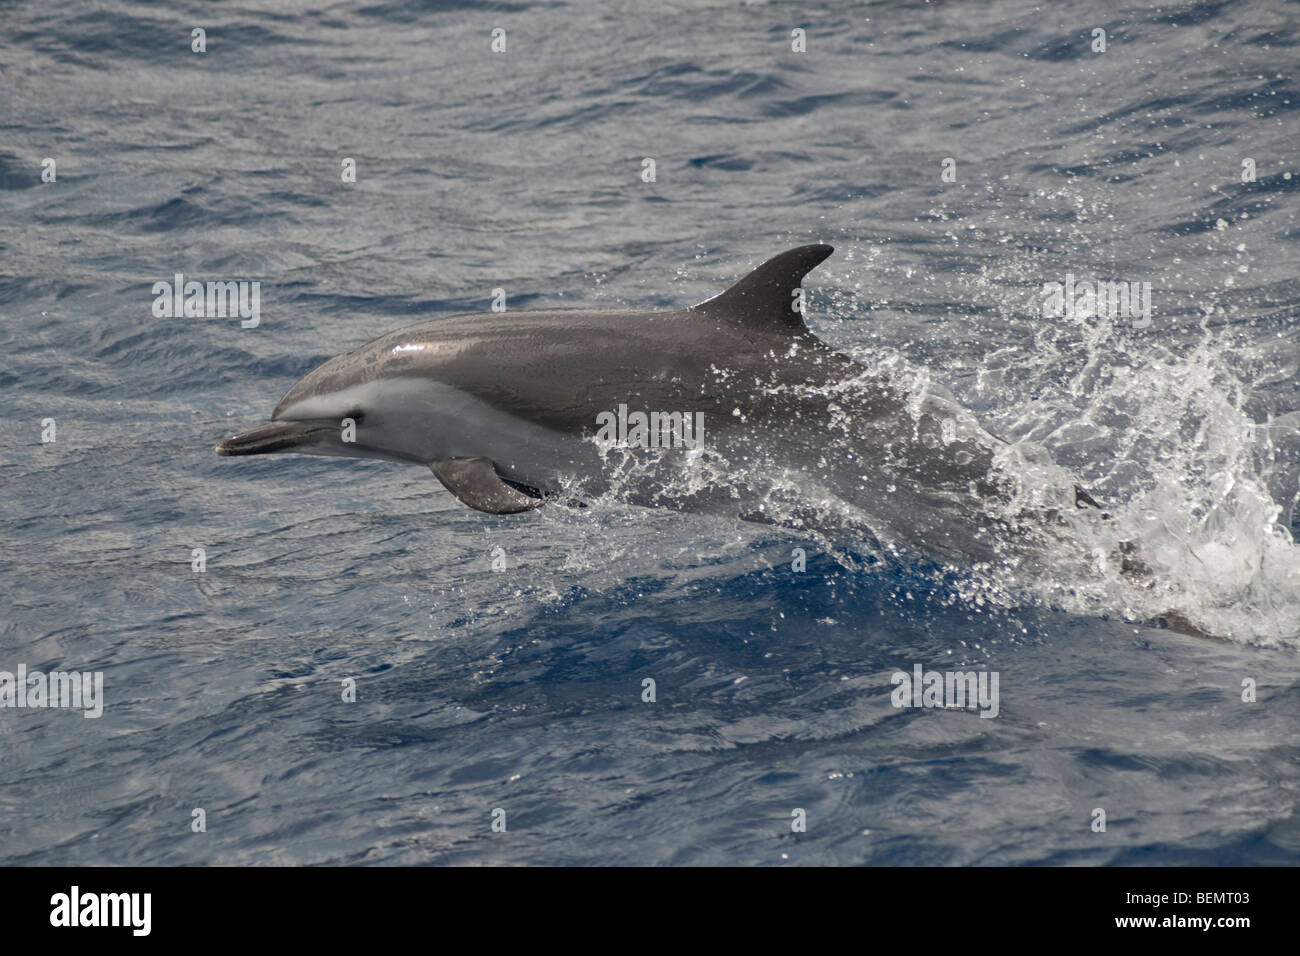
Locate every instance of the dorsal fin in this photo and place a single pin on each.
(764, 299)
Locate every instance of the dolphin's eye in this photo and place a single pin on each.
(356, 415)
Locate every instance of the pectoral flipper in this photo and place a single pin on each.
(475, 482)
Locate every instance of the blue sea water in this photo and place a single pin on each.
(521, 690)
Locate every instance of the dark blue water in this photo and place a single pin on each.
(522, 690)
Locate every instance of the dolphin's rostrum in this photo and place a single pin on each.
(504, 408)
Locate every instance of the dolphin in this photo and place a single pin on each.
(731, 407)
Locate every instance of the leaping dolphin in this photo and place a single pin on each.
(761, 419)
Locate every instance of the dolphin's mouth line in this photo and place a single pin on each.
(273, 437)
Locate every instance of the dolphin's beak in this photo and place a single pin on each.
(271, 437)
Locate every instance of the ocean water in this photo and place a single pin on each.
(519, 693)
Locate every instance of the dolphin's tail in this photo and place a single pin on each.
(271, 437)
